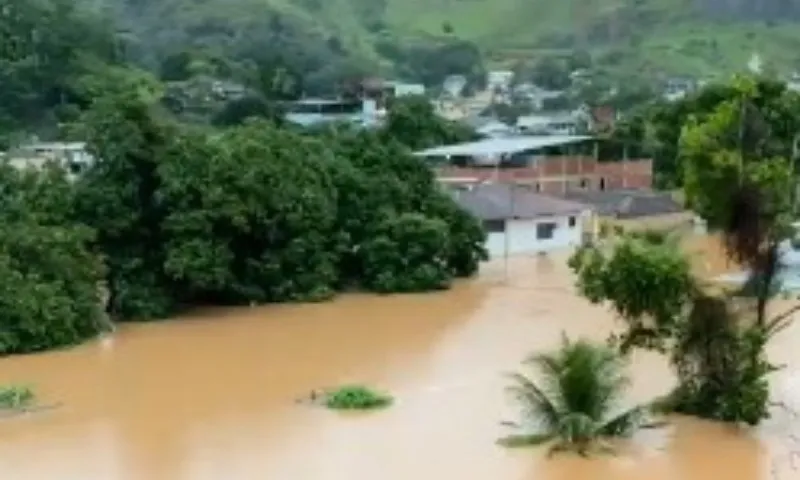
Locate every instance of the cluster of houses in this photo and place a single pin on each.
(538, 194)
(538, 185)
(534, 193)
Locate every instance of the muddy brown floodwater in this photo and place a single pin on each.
(211, 396)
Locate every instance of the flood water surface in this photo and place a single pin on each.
(213, 396)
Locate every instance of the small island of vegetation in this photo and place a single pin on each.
(15, 397)
(356, 397)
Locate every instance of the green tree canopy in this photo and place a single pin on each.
(261, 213)
(49, 278)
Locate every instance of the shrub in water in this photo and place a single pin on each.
(13, 397)
(356, 397)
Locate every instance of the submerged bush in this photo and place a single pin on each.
(15, 397)
(49, 295)
(356, 397)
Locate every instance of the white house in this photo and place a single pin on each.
(315, 111)
(566, 123)
(401, 89)
(499, 79)
(536, 95)
(454, 85)
(71, 155)
(520, 221)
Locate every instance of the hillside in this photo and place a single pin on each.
(699, 37)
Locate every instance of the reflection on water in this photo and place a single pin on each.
(211, 396)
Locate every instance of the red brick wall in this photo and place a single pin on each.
(551, 173)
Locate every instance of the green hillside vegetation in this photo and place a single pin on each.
(695, 37)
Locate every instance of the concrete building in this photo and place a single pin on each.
(454, 85)
(499, 79)
(566, 123)
(401, 89)
(553, 165)
(520, 221)
(309, 112)
(70, 155)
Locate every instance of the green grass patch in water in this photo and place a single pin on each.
(356, 397)
(13, 397)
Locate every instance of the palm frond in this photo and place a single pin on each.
(537, 407)
(781, 322)
(624, 423)
(572, 401)
(591, 378)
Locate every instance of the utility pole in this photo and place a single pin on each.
(506, 239)
(795, 151)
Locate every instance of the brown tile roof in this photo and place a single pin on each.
(504, 201)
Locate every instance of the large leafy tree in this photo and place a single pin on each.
(739, 164)
(660, 126)
(407, 253)
(49, 278)
(413, 122)
(118, 198)
(250, 215)
(739, 176)
(717, 356)
(260, 213)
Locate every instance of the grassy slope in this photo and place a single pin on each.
(678, 42)
(674, 39)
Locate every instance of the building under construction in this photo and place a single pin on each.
(554, 165)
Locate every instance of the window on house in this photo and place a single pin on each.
(572, 222)
(494, 226)
(545, 231)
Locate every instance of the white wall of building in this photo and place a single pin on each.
(523, 238)
(403, 89)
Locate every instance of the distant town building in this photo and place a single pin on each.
(499, 79)
(71, 156)
(401, 89)
(520, 221)
(315, 111)
(488, 126)
(600, 118)
(677, 88)
(382, 91)
(454, 85)
(550, 164)
(563, 123)
(580, 76)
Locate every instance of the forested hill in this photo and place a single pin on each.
(282, 48)
(678, 36)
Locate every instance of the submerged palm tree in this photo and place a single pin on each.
(575, 406)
